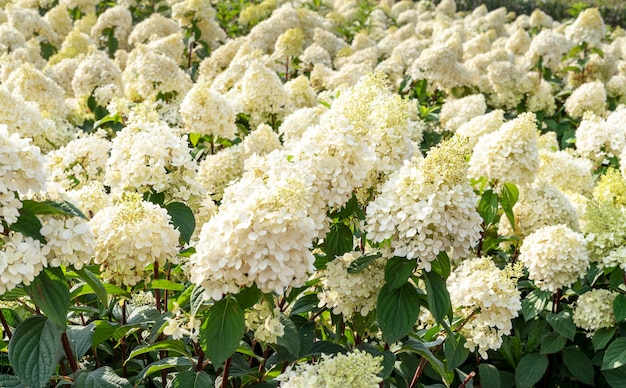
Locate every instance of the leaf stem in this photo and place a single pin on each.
(226, 372)
(68, 352)
(5, 325)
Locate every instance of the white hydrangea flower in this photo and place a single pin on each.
(294, 125)
(481, 125)
(21, 169)
(117, 18)
(346, 293)
(207, 112)
(355, 369)
(550, 46)
(442, 66)
(90, 198)
(151, 157)
(588, 27)
(217, 171)
(81, 161)
(131, 235)
(261, 141)
(555, 256)
(21, 260)
(509, 154)
(263, 95)
(488, 298)
(565, 171)
(70, 241)
(97, 74)
(263, 231)
(427, 207)
(598, 138)
(588, 97)
(155, 27)
(456, 112)
(265, 322)
(594, 310)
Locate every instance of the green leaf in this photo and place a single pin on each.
(437, 294)
(398, 270)
(29, 225)
(488, 206)
(455, 351)
(104, 377)
(197, 299)
(508, 199)
(164, 363)
(534, 303)
(615, 377)
(290, 339)
(338, 240)
(419, 347)
(192, 379)
(164, 284)
(350, 207)
(562, 323)
(362, 262)
(248, 296)
(175, 346)
(552, 342)
(397, 311)
(441, 265)
(103, 331)
(602, 337)
(9, 381)
(49, 292)
(52, 207)
(324, 347)
(304, 304)
(35, 350)
(96, 285)
(579, 365)
(182, 219)
(81, 338)
(222, 330)
(615, 355)
(489, 375)
(619, 308)
(112, 289)
(530, 369)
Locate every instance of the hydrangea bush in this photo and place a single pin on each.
(311, 193)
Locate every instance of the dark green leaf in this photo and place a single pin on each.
(489, 375)
(103, 331)
(615, 355)
(290, 340)
(350, 207)
(552, 342)
(602, 337)
(338, 240)
(304, 304)
(104, 377)
(324, 347)
(49, 292)
(534, 303)
(164, 363)
(35, 350)
(29, 225)
(619, 307)
(562, 323)
(362, 262)
(398, 270)
(488, 206)
(455, 351)
(182, 219)
(222, 330)
(397, 311)
(52, 207)
(81, 338)
(8, 381)
(192, 379)
(615, 377)
(96, 285)
(530, 369)
(579, 365)
(441, 265)
(508, 199)
(437, 295)
(419, 347)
